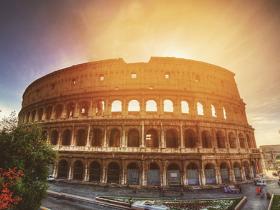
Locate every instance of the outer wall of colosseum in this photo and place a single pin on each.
(165, 122)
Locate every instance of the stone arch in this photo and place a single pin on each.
(133, 106)
(133, 173)
(168, 105)
(84, 108)
(97, 137)
(63, 169)
(151, 106)
(115, 138)
(171, 138)
(116, 106)
(173, 174)
(151, 138)
(232, 140)
(133, 138)
(78, 170)
(81, 137)
(213, 111)
(66, 137)
(210, 173)
(192, 174)
(58, 111)
(220, 137)
(95, 171)
(224, 170)
(190, 138)
(206, 139)
(70, 108)
(237, 171)
(241, 140)
(54, 137)
(113, 173)
(153, 176)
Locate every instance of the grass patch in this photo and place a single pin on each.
(207, 204)
(275, 202)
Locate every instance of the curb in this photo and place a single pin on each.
(241, 203)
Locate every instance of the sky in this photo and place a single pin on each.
(40, 36)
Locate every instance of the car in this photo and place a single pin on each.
(148, 205)
(260, 182)
(50, 178)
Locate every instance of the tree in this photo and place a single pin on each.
(25, 147)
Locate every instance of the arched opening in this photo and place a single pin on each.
(237, 172)
(173, 174)
(242, 140)
(27, 117)
(167, 105)
(224, 173)
(40, 114)
(133, 174)
(199, 108)
(154, 174)
(151, 106)
(48, 112)
(206, 139)
(70, 110)
(81, 137)
(247, 170)
(62, 170)
(58, 111)
(54, 137)
(133, 106)
(210, 174)
(116, 106)
(190, 139)
(78, 170)
(113, 173)
(192, 174)
(213, 111)
(94, 172)
(45, 135)
(151, 138)
(220, 139)
(249, 141)
(66, 137)
(232, 140)
(97, 137)
(133, 138)
(185, 107)
(171, 138)
(84, 108)
(115, 136)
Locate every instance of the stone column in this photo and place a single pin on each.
(55, 168)
(202, 176)
(218, 175)
(231, 173)
(105, 143)
(59, 142)
(199, 140)
(86, 175)
(243, 176)
(104, 172)
(76, 110)
(53, 113)
(144, 174)
(162, 139)
(37, 115)
(181, 135)
(142, 134)
(70, 173)
(73, 136)
(64, 111)
(124, 172)
(90, 109)
(123, 138)
(44, 114)
(88, 136)
(164, 171)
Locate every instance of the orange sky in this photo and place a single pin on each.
(242, 36)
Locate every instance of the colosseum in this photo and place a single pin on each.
(165, 122)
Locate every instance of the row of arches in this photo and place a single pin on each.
(96, 138)
(86, 108)
(173, 174)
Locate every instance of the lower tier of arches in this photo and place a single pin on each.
(156, 172)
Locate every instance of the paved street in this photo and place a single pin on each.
(254, 202)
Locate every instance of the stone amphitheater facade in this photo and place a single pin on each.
(165, 122)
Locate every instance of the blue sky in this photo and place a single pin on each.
(40, 36)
